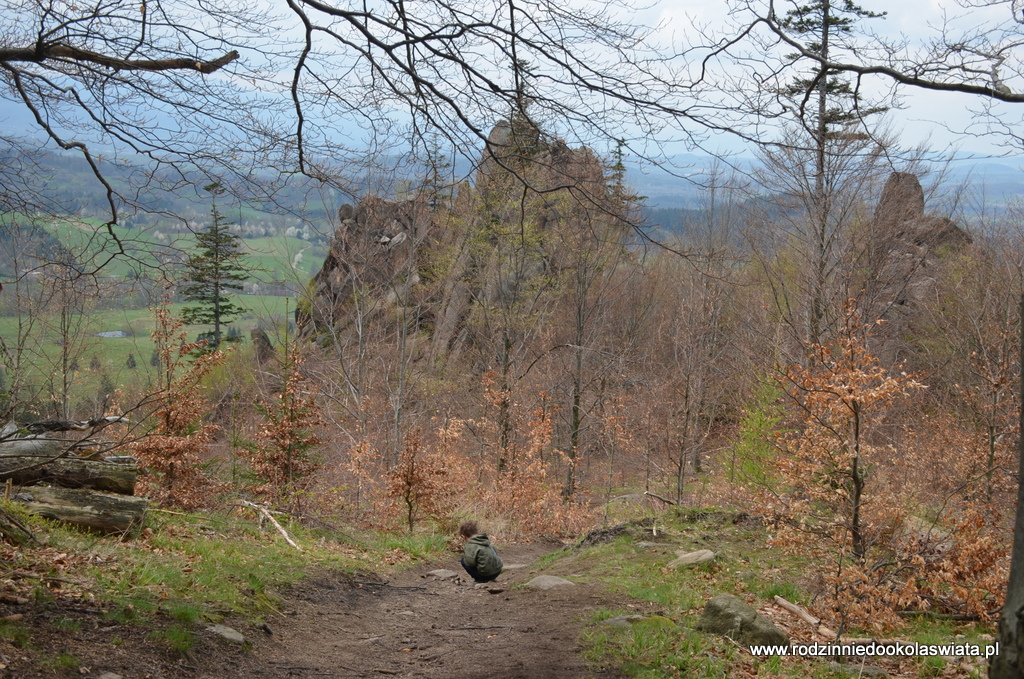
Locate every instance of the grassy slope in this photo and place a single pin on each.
(190, 569)
(668, 646)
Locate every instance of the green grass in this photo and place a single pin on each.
(179, 637)
(660, 648)
(67, 624)
(65, 662)
(667, 644)
(651, 651)
(14, 632)
(204, 567)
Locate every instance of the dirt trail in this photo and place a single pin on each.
(423, 627)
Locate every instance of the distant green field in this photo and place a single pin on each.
(109, 356)
(274, 258)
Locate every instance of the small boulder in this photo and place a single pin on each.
(442, 574)
(692, 558)
(109, 675)
(732, 617)
(545, 582)
(654, 621)
(854, 670)
(623, 620)
(650, 545)
(226, 633)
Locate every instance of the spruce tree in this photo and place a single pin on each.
(215, 271)
(829, 109)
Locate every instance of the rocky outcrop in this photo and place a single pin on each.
(448, 262)
(905, 249)
(908, 242)
(373, 250)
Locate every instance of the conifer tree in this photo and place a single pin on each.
(215, 271)
(831, 116)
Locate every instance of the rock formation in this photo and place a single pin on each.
(400, 250)
(909, 239)
(906, 247)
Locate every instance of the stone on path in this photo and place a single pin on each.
(732, 617)
(513, 566)
(442, 574)
(545, 582)
(692, 558)
(226, 633)
(109, 675)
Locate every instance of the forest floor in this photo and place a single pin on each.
(331, 625)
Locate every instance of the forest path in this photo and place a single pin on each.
(419, 626)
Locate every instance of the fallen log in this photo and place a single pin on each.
(70, 472)
(103, 512)
(32, 446)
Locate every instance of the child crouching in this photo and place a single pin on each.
(479, 557)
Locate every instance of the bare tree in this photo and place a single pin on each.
(985, 60)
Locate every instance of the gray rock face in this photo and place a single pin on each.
(692, 558)
(226, 633)
(380, 247)
(730, 616)
(545, 582)
(907, 246)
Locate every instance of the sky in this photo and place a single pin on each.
(926, 117)
(937, 120)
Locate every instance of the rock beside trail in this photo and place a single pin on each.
(442, 574)
(545, 582)
(692, 558)
(730, 616)
(623, 620)
(109, 675)
(631, 620)
(854, 670)
(226, 633)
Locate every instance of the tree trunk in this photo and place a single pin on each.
(1009, 662)
(103, 512)
(70, 473)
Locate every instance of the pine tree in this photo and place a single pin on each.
(215, 270)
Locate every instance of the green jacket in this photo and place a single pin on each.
(480, 555)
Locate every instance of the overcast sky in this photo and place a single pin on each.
(926, 117)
